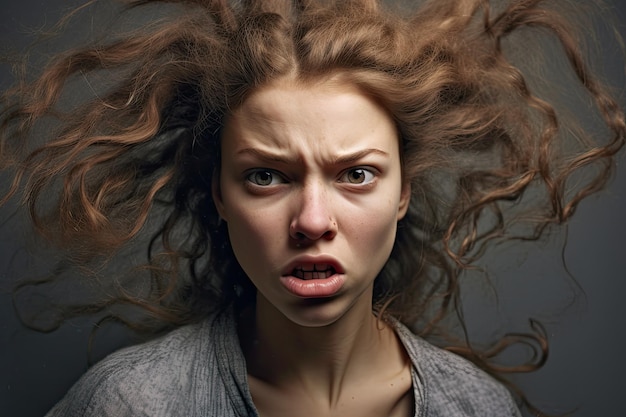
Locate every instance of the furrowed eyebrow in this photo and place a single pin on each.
(338, 160)
(268, 156)
(356, 156)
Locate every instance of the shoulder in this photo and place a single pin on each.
(452, 385)
(148, 379)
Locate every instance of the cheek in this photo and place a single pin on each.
(372, 231)
(252, 236)
(380, 232)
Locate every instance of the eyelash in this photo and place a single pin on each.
(366, 171)
(273, 175)
(369, 173)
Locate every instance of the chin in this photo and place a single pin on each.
(322, 312)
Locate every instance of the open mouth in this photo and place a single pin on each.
(315, 271)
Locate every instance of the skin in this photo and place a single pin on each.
(311, 179)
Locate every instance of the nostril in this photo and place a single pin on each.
(302, 232)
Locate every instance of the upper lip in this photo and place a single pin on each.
(311, 263)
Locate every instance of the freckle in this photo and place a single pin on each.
(353, 398)
(391, 384)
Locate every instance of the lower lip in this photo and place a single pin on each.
(313, 288)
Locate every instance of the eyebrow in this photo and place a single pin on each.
(338, 160)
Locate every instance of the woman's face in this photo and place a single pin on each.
(311, 189)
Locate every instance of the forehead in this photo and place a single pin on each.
(329, 112)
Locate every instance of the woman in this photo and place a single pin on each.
(313, 178)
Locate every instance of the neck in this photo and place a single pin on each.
(320, 360)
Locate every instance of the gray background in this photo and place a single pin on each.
(586, 368)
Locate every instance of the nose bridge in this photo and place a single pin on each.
(314, 217)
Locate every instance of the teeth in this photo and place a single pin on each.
(318, 271)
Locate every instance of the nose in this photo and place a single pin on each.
(313, 217)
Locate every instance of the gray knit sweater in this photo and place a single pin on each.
(199, 371)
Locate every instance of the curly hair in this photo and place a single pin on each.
(489, 157)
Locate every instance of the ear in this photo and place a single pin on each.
(216, 193)
(405, 199)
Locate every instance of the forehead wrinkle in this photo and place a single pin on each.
(274, 142)
(266, 130)
(332, 160)
(257, 130)
(267, 136)
(268, 156)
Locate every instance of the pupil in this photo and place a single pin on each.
(356, 176)
(263, 178)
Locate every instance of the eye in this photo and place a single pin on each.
(264, 178)
(358, 176)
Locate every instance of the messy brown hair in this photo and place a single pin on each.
(489, 158)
